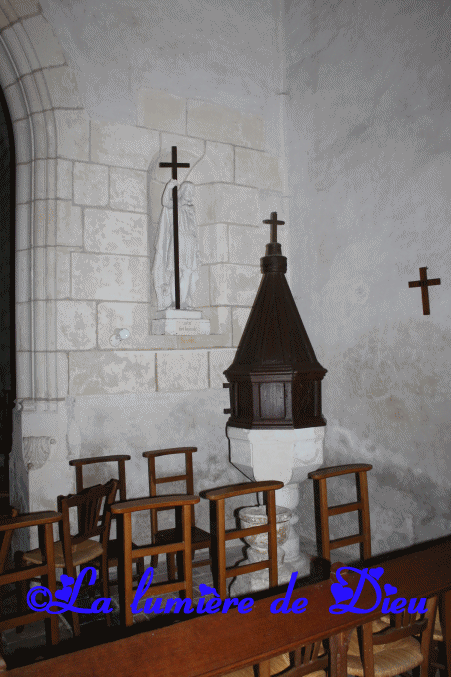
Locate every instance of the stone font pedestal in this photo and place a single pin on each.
(258, 550)
(285, 455)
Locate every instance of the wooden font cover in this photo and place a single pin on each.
(275, 378)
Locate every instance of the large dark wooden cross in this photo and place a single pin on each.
(424, 283)
(274, 223)
(174, 166)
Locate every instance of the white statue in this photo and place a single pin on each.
(163, 268)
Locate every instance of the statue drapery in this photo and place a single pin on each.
(163, 269)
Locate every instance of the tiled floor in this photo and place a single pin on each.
(28, 646)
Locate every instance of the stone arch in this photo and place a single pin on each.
(28, 51)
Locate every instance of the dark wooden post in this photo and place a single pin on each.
(174, 165)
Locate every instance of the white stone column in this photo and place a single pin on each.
(284, 455)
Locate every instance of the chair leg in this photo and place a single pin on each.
(21, 590)
(105, 583)
(75, 619)
(264, 669)
(172, 570)
(154, 561)
(140, 567)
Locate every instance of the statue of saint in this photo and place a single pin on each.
(163, 268)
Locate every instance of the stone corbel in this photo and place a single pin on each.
(36, 451)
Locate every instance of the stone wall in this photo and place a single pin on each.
(369, 154)
(89, 200)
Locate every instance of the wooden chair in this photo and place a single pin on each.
(200, 539)
(4, 551)
(182, 546)
(219, 534)
(438, 648)
(323, 511)
(393, 649)
(79, 464)
(310, 659)
(44, 568)
(72, 551)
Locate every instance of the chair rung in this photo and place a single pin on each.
(22, 619)
(174, 478)
(201, 563)
(156, 550)
(163, 588)
(349, 540)
(345, 507)
(242, 533)
(247, 569)
(23, 574)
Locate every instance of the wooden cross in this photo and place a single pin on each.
(274, 223)
(174, 166)
(424, 283)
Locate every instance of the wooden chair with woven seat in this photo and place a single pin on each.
(313, 659)
(4, 551)
(220, 536)
(79, 464)
(200, 539)
(181, 545)
(45, 568)
(310, 660)
(72, 551)
(378, 649)
(323, 511)
(438, 648)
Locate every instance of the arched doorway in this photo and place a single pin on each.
(7, 315)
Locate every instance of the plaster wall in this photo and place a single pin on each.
(368, 116)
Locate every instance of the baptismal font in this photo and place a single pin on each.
(276, 426)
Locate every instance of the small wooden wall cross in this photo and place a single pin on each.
(274, 223)
(424, 283)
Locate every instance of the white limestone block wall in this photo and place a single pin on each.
(89, 194)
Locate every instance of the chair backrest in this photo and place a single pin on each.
(405, 625)
(120, 459)
(94, 520)
(187, 478)
(220, 536)
(323, 511)
(179, 502)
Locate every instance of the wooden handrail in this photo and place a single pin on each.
(215, 644)
(30, 519)
(169, 501)
(169, 452)
(337, 470)
(77, 462)
(240, 489)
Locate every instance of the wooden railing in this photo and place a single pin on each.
(216, 644)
